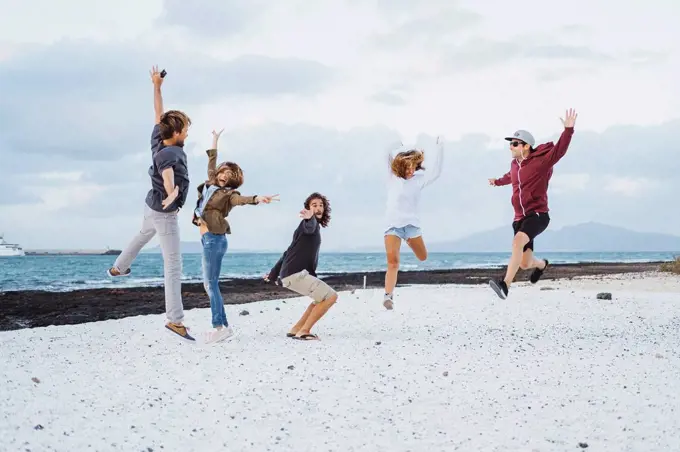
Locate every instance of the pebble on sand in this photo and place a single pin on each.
(244, 312)
(604, 296)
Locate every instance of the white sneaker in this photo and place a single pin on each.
(387, 302)
(218, 335)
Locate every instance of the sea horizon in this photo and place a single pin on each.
(62, 273)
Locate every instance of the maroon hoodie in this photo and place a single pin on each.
(530, 176)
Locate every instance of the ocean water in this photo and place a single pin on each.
(65, 273)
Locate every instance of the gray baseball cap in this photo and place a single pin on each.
(522, 135)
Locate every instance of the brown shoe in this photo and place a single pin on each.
(179, 330)
(113, 272)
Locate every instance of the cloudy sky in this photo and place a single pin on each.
(309, 93)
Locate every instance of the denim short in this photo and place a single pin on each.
(406, 232)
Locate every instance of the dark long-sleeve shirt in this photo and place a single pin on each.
(303, 252)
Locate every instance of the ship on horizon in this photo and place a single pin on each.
(66, 252)
(10, 249)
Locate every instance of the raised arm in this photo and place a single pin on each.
(212, 154)
(157, 80)
(309, 223)
(434, 167)
(560, 149)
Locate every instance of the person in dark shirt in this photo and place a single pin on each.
(296, 269)
(169, 187)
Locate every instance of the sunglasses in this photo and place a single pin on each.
(515, 144)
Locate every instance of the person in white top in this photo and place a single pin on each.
(407, 178)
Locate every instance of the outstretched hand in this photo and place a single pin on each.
(156, 78)
(216, 137)
(267, 199)
(492, 182)
(306, 214)
(570, 118)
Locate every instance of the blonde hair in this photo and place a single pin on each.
(405, 160)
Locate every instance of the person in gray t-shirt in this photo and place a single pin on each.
(169, 188)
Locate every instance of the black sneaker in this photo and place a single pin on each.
(537, 273)
(500, 288)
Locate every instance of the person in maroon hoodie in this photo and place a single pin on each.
(530, 172)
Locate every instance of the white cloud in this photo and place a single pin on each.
(565, 183)
(310, 92)
(633, 187)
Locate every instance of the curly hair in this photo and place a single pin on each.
(235, 179)
(404, 160)
(326, 217)
(173, 121)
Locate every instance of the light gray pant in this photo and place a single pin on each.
(167, 227)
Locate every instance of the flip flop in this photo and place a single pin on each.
(307, 337)
(290, 335)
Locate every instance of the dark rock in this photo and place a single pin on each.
(38, 427)
(35, 380)
(244, 312)
(604, 296)
(446, 374)
(291, 367)
(378, 343)
(582, 445)
(38, 308)
(278, 309)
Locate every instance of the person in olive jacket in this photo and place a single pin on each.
(216, 197)
(530, 173)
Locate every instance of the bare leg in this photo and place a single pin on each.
(392, 246)
(529, 261)
(417, 244)
(518, 243)
(302, 320)
(318, 311)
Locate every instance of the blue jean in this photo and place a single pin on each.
(214, 248)
(405, 232)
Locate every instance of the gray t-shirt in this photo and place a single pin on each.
(166, 157)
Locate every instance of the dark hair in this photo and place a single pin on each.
(326, 217)
(404, 160)
(234, 181)
(173, 121)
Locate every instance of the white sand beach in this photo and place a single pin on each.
(451, 368)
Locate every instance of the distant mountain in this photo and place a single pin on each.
(586, 237)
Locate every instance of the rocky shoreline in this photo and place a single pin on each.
(30, 309)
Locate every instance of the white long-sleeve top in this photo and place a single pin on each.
(403, 195)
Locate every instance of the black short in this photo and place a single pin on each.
(532, 225)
